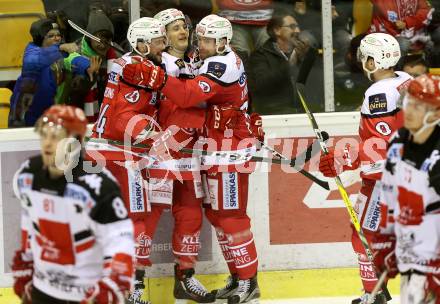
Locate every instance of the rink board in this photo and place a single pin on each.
(296, 224)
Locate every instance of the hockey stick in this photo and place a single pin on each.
(85, 33)
(379, 284)
(306, 155)
(338, 181)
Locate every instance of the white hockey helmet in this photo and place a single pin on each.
(143, 30)
(213, 26)
(169, 15)
(383, 48)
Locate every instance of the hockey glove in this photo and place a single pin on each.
(337, 161)
(145, 74)
(222, 118)
(114, 288)
(384, 246)
(166, 144)
(257, 126)
(22, 272)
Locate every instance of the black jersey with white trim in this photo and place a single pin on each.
(71, 230)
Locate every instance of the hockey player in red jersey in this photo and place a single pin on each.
(77, 241)
(408, 241)
(128, 114)
(220, 87)
(380, 116)
(187, 193)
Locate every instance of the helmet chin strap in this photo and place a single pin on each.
(143, 54)
(227, 48)
(427, 124)
(369, 73)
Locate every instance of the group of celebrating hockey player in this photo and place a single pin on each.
(164, 98)
(87, 233)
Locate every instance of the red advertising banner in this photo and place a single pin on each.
(302, 212)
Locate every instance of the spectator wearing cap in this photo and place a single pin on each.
(81, 90)
(42, 72)
(272, 66)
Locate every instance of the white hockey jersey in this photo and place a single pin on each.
(380, 117)
(71, 230)
(410, 198)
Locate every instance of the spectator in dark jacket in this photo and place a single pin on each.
(42, 71)
(272, 66)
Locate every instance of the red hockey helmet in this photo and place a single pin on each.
(72, 119)
(426, 88)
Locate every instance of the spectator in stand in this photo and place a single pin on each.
(415, 65)
(249, 20)
(272, 66)
(84, 92)
(407, 20)
(42, 72)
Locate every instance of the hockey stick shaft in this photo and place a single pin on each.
(85, 33)
(347, 201)
(377, 287)
(291, 162)
(338, 181)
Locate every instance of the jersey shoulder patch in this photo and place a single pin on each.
(377, 103)
(217, 69)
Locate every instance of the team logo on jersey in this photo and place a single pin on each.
(230, 191)
(180, 63)
(113, 77)
(205, 86)
(392, 16)
(383, 128)
(132, 97)
(216, 68)
(377, 103)
(242, 79)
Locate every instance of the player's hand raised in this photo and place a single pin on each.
(145, 74)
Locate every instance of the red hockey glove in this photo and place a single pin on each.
(166, 144)
(222, 118)
(257, 126)
(145, 74)
(383, 246)
(337, 161)
(22, 272)
(114, 288)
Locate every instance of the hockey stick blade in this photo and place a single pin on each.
(97, 39)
